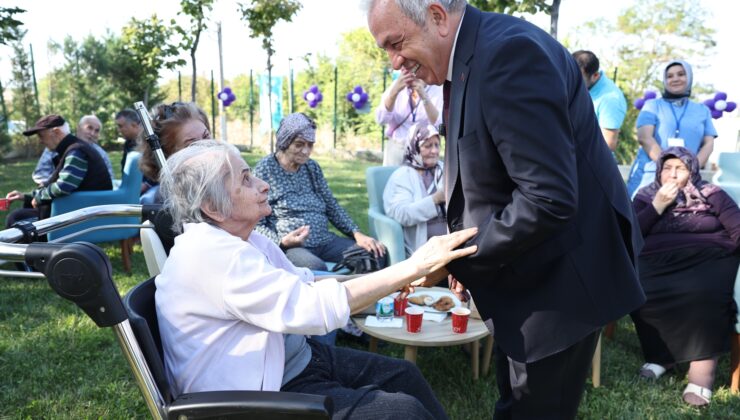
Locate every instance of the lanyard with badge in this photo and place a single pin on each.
(677, 140)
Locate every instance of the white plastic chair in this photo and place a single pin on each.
(154, 253)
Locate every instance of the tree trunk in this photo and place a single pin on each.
(192, 60)
(554, 13)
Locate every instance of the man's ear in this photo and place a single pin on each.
(440, 20)
(210, 211)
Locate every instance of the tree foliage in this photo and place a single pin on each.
(9, 25)
(645, 37)
(510, 7)
(23, 103)
(196, 10)
(143, 51)
(261, 17)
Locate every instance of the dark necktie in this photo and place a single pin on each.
(445, 108)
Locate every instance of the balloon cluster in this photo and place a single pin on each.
(640, 102)
(719, 104)
(358, 98)
(313, 96)
(226, 96)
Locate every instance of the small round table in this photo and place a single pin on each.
(433, 334)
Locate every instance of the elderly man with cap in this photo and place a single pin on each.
(88, 129)
(77, 166)
(302, 203)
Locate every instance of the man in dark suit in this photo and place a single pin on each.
(525, 163)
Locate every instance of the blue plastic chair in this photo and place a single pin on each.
(381, 227)
(728, 176)
(126, 193)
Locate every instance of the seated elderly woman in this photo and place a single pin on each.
(414, 195)
(302, 203)
(177, 125)
(233, 311)
(687, 269)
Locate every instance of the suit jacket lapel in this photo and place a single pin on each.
(460, 72)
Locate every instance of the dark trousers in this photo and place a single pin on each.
(364, 385)
(550, 388)
(314, 257)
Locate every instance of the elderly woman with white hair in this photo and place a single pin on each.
(233, 311)
(302, 203)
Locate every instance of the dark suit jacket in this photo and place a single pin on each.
(526, 164)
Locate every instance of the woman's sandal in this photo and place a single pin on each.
(652, 371)
(703, 395)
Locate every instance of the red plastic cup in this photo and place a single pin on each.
(399, 306)
(460, 318)
(4, 204)
(414, 316)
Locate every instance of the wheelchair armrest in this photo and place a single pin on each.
(256, 405)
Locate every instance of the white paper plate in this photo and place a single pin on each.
(435, 294)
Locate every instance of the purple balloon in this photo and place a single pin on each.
(716, 114)
(349, 96)
(710, 103)
(358, 89)
(639, 102)
(650, 94)
(232, 97)
(730, 106)
(319, 97)
(314, 89)
(720, 96)
(227, 90)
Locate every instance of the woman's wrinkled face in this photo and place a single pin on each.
(430, 151)
(189, 132)
(248, 194)
(299, 151)
(675, 171)
(676, 79)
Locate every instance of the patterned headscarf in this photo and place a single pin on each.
(689, 79)
(692, 197)
(295, 125)
(418, 134)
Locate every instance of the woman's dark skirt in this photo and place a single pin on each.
(690, 312)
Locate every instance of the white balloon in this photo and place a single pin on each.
(355, 97)
(310, 96)
(720, 105)
(223, 96)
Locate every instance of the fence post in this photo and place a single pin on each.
(251, 110)
(336, 78)
(213, 107)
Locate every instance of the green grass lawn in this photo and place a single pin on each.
(55, 363)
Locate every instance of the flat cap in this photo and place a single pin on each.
(49, 121)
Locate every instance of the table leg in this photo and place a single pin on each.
(596, 365)
(373, 347)
(487, 351)
(475, 361)
(410, 354)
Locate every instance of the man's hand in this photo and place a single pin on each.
(665, 196)
(34, 203)
(458, 289)
(295, 238)
(370, 244)
(14, 195)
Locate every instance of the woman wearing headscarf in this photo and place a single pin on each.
(414, 195)
(687, 269)
(672, 120)
(302, 203)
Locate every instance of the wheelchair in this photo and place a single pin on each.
(81, 273)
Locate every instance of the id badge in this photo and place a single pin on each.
(676, 142)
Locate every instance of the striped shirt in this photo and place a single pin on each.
(73, 172)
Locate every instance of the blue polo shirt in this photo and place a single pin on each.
(609, 103)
